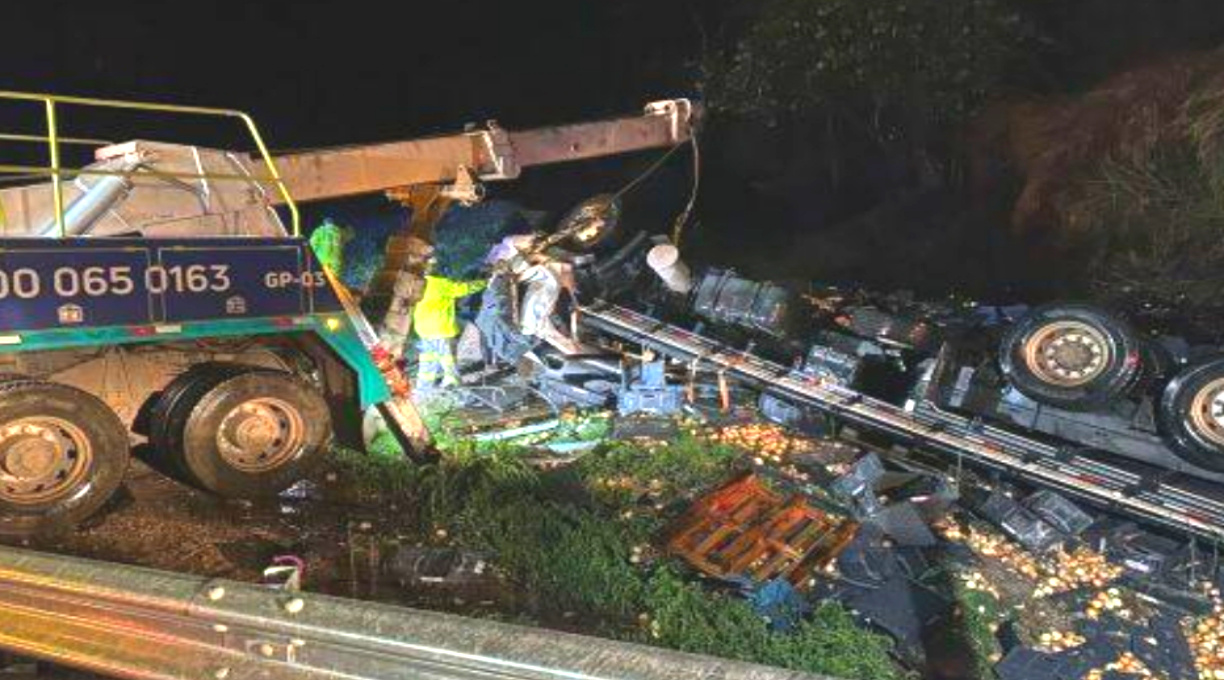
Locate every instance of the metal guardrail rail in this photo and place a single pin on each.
(1182, 507)
(129, 622)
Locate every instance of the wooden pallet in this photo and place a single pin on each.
(745, 529)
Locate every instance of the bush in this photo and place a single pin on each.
(1157, 223)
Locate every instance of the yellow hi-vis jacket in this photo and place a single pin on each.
(434, 316)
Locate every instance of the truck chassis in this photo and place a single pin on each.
(1171, 500)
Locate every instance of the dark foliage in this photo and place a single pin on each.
(464, 236)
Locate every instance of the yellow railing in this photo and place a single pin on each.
(53, 103)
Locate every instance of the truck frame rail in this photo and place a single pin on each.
(1183, 505)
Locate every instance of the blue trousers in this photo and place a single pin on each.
(436, 363)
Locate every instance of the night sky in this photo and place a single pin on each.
(318, 73)
(327, 73)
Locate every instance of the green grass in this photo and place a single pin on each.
(981, 612)
(620, 474)
(688, 618)
(571, 428)
(569, 537)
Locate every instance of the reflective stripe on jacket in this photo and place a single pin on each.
(434, 316)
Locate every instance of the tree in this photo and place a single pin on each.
(903, 68)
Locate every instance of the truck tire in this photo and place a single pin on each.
(1072, 356)
(593, 221)
(1192, 414)
(63, 453)
(239, 431)
(177, 398)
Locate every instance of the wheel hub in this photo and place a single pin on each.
(1207, 411)
(260, 434)
(41, 458)
(1068, 353)
(31, 457)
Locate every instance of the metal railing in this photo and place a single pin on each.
(142, 624)
(55, 170)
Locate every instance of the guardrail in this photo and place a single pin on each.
(142, 624)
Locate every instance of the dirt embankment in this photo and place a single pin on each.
(1057, 146)
(1122, 186)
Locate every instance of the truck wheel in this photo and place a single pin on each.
(1192, 414)
(178, 398)
(1072, 356)
(240, 431)
(63, 453)
(591, 222)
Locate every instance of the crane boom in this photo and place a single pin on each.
(489, 154)
(182, 190)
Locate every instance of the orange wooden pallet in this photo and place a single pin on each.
(745, 529)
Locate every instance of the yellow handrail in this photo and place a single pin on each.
(57, 184)
(51, 102)
(83, 141)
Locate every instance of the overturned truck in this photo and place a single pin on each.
(1070, 370)
(1064, 396)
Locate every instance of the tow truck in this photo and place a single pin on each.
(161, 295)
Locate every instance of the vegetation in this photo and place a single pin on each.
(926, 122)
(580, 537)
(980, 614)
(1158, 224)
(1127, 178)
(933, 59)
(465, 235)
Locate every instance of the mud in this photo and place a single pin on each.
(347, 546)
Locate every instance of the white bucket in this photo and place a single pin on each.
(665, 260)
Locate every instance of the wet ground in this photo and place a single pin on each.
(343, 545)
(159, 523)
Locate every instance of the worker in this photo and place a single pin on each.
(503, 342)
(328, 241)
(437, 326)
(539, 279)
